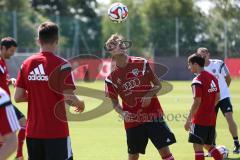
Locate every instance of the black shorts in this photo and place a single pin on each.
(49, 149)
(157, 131)
(18, 113)
(225, 106)
(202, 134)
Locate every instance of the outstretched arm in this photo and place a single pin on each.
(72, 100)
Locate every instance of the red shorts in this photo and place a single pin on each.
(8, 120)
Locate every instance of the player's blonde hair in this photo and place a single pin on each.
(114, 39)
(202, 50)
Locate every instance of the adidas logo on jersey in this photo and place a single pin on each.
(38, 74)
(213, 87)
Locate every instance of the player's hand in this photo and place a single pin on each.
(187, 125)
(80, 108)
(12, 81)
(146, 101)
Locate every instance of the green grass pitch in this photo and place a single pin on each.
(104, 138)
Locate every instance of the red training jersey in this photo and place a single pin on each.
(205, 86)
(44, 76)
(4, 76)
(131, 83)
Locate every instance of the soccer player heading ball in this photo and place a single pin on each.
(134, 81)
(201, 121)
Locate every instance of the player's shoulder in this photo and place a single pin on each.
(62, 63)
(114, 74)
(31, 58)
(111, 80)
(60, 59)
(216, 61)
(206, 76)
(197, 80)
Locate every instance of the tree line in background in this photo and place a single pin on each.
(159, 27)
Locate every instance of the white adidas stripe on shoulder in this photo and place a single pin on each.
(109, 81)
(65, 66)
(195, 80)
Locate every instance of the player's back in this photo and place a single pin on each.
(206, 114)
(43, 120)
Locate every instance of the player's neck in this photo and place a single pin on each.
(1, 56)
(121, 60)
(207, 63)
(48, 48)
(199, 70)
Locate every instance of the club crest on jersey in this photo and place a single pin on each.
(135, 72)
(119, 81)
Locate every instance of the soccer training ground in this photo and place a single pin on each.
(103, 138)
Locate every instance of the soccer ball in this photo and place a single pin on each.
(118, 12)
(223, 150)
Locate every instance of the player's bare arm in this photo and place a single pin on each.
(217, 98)
(73, 100)
(9, 147)
(117, 107)
(20, 95)
(193, 110)
(146, 100)
(228, 79)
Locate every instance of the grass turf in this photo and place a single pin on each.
(103, 138)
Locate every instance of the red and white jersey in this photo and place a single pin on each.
(131, 83)
(205, 86)
(43, 76)
(219, 69)
(8, 119)
(4, 76)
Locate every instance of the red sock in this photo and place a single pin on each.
(169, 157)
(21, 138)
(215, 153)
(199, 155)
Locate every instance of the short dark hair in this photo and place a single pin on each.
(8, 42)
(196, 58)
(48, 32)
